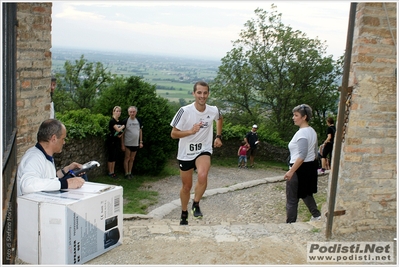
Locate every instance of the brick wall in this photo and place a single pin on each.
(367, 176)
(33, 71)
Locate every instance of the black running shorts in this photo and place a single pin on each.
(188, 165)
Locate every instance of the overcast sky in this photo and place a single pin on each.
(196, 29)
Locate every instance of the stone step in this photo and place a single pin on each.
(138, 228)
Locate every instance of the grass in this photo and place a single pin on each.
(280, 187)
(303, 212)
(316, 230)
(137, 198)
(175, 95)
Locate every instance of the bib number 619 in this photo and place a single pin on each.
(195, 147)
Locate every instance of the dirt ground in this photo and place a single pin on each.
(266, 240)
(253, 232)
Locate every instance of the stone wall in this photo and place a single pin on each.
(33, 71)
(82, 151)
(367, 179)
(93, 148)
(265, 151)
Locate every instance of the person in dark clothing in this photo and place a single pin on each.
(251, 138)
(116, 129)
(302, 175)
(328, 145)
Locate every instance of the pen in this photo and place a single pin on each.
(105, 189)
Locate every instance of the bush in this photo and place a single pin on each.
(231, 131)
(155, 114)
(82, 123)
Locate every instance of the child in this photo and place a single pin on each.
(242, 155)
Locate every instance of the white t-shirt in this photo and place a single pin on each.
(310, 135)
(193, 145)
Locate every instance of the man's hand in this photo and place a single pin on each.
(217, 142)
(74, 165)
(196, 128)
(75, 182)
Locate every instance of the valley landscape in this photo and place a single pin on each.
(173, 76)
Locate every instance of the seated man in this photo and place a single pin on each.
(36, 171)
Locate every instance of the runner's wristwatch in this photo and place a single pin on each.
(219, 136)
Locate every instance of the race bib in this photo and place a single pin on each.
(193, 148)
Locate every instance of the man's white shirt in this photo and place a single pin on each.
(193, 145)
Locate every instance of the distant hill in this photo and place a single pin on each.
(173, 76)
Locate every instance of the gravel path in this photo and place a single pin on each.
(241, 227)
(263, 203)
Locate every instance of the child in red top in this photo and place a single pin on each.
(242, 155)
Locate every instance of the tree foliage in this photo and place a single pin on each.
(87, 89)
(155, 114)
(83, 124)
(271, 69)
(79, 85)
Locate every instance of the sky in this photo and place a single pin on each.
(194, 29)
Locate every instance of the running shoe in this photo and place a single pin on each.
(315, 219)
(195, 210)
(183, 220)
(114, 176)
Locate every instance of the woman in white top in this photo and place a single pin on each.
(302, 175)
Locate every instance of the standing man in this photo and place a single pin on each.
(52, 88)
(193, 125)
(132, 140)
(36, 171)
(251, 138)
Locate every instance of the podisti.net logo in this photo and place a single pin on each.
(370, 252)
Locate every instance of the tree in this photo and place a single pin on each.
(182, 102)
(273, 68)
(155, 114)
(80, 84)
